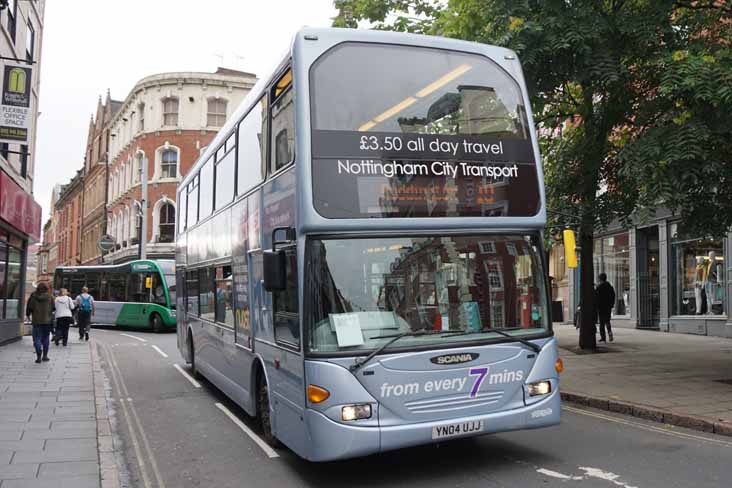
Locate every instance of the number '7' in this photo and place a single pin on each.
(481, 373)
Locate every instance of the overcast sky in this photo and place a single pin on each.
(90, 46)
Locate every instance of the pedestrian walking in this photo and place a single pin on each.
(39, 310)
(53, 325)
(85, 302)
(605, 296)
(64, 316)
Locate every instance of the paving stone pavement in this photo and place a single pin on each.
(677, 375)
(48, 417)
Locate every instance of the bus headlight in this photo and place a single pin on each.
(539, 388)
(356, 412)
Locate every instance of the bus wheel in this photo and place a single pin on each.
(156, 323)
(192, 354)
(263, 409)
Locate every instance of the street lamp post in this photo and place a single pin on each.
(142, 229)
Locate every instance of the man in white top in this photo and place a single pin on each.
(64, 316)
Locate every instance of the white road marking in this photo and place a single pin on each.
(554, 474)
(134, 337)
(589, 473)
(667, 430)
(260, 442)
(604, 475)
(187, 376)
(160, 351)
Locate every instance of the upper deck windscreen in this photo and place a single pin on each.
(402, 131)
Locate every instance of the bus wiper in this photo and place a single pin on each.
(394, 337)
(502, 332)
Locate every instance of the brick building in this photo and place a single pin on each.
(168, 119)
(68, 224)
(96, 169)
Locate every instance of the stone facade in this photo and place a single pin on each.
(168, 119)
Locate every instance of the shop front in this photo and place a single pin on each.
(20, 223)
(664, 278)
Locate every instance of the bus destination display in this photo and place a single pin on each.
(370, 174)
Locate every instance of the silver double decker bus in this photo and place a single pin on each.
(359, 250)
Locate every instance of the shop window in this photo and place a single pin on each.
(612, 257)
(698, 278)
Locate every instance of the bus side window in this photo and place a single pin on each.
(283, 122)
(117, 287)
(136, 291)
(192, 292)
(285, 304)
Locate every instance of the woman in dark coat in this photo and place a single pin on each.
(40, 307)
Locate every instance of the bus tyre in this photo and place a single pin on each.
(156, 323)
(263, 409)
(192, 355)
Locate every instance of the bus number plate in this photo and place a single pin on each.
(454, 430)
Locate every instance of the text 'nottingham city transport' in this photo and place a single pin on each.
(359, 251)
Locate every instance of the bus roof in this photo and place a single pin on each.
(129, 264)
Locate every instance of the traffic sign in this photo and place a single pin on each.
(106, 243)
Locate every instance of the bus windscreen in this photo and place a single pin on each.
(416, 132)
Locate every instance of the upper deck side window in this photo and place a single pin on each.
(283, 122)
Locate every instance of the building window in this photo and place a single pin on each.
(137, 170)
(12, 17)
(141, 120)
(24, 161)
(167, 223)
(170, 111)
(169, 164)
(495, 275)
(612, 257)
(5, 150)
(30, 42)
(697, 276)
(216, 112)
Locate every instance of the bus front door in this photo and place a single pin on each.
(135, 312)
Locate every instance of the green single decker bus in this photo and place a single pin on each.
(135, 294)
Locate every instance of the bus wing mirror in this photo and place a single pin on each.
(274, 270)
(570, 248)
(283, 235)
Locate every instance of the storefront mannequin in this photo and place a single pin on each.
(699, 283)
(710, 280)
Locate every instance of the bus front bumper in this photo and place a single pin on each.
(333, 440)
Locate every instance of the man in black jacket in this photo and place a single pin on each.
(605, 295)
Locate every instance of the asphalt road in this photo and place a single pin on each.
(175, 435)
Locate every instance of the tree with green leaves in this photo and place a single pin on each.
(632, 100)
